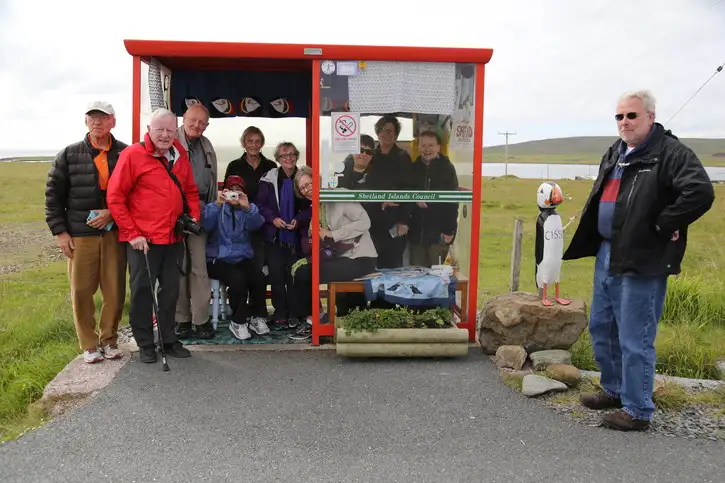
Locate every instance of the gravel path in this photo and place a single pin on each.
(26, 245)
(692, 423)
(697, 421)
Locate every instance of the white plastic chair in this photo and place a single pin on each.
(218, 302)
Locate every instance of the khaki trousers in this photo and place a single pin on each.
(428, 255)
(194, 294)
(97, 261)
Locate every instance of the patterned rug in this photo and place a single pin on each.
(224, 336)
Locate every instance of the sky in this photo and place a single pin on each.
(558, 66)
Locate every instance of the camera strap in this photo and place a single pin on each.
(182, 264)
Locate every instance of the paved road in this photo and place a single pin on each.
(310, 416)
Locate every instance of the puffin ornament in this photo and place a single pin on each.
(549, 241)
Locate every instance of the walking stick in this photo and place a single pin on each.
(156, 312)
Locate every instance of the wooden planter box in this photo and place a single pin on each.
(429, 342)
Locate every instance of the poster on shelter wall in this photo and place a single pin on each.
(159, 84)
(463, 119)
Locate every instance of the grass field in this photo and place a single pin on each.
(37, 336)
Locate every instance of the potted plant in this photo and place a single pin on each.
(400, 332)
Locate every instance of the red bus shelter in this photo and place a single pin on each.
(432, 88)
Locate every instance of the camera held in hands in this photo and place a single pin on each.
(230, 195)
(186, 225)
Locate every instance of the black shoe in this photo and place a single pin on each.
(176, 350)
(601, 400)
(147, 354)
(182, 330)
(303, 332)
(205, 331)
(622, 421)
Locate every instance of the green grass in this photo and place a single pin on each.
(37, 339)
(22, 188)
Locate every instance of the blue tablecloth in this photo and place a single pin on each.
(411, 286)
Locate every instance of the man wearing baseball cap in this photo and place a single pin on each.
(77, 215)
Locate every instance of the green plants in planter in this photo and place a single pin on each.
(397, 318)
(400, 332)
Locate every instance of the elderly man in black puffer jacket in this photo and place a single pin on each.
(77, 215)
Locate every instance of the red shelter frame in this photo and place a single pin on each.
(307, 57)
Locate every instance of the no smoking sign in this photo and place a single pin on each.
(346, 126)
(345, 132)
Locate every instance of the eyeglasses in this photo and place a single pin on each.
(630, 115)
(287, 155)
(367, 151)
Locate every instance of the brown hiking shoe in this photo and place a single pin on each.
(601, 400)
(623, 421)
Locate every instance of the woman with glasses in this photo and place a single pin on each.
(346, 250)
(284, 214)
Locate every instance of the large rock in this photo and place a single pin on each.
(519, 318)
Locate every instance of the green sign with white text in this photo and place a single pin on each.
(397, 196)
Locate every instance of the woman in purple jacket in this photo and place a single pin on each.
(284, 214)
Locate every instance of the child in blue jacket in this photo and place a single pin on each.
(229, 252)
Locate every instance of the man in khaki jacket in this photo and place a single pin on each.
(193, 303)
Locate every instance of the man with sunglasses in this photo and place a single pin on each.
(650, 188)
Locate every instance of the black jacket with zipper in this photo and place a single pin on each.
(427, 224)
(664, 188)
(72, 190)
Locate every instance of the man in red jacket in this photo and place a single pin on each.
(146, 203)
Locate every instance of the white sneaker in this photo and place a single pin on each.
(111, 352)
(239, 331)
(91, 356)
(258, 325)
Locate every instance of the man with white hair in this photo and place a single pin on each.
(77, 215)
(154, 201)
(194, 291)
(650, 188)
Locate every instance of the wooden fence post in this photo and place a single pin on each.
(516, 255)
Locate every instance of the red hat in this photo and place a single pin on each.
(235, 180)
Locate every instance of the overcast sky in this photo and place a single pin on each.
(557, 68)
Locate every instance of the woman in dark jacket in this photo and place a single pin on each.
(432, 225)
(251, 167)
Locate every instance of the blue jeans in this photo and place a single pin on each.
(623, 322)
